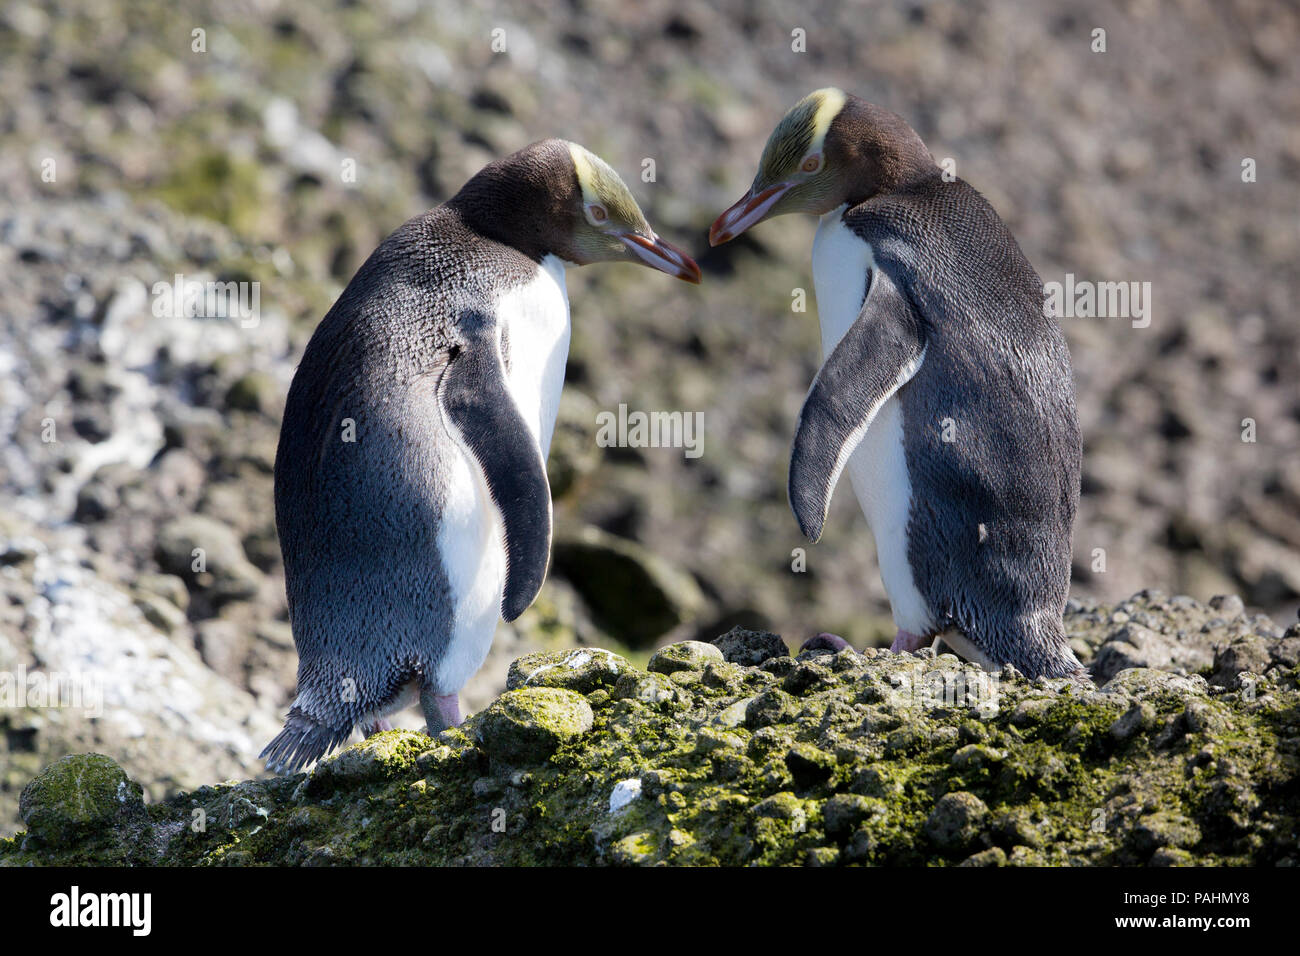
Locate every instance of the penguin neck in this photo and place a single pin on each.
(521, 205)
(502, 221)
(841, 261)
(534, 318)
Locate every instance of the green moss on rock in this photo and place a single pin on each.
(743, 646)
(956, 821)
(381, 757)
(76, 797)
(686, 656)
(582, 670)
(825, 759)
(529, 724)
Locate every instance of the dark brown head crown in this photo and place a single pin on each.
(828, 150)
(558, 198)
(525, 200)
(875, 149)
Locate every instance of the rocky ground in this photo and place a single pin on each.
(733, 752)
(130, 438)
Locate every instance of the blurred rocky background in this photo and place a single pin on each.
(133, 149)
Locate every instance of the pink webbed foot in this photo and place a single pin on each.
(905, 641)
(449, 708)
(376, 727)
(440, 711)
(825, 641)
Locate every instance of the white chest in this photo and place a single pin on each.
(534, 320)
(878, 468)
(841, 262)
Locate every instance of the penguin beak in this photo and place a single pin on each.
(661, 255)
(748, 212)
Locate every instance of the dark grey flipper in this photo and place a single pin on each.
(474, 395)
(879, 353)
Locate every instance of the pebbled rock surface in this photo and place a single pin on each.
(825, 759)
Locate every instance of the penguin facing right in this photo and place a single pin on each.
(945, 390)
(411, 495)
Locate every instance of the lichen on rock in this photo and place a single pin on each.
(737, 754)
(78, 798)
(528, 725)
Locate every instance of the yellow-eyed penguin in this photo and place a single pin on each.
(411, 495)
(945, 390)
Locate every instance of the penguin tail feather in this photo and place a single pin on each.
(303, 741)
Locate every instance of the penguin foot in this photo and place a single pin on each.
(905, 641)
(449, 708)
(825, 642)
(440, 711)
(376, 726)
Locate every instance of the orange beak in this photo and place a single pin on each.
(664, 256)
(747, 212)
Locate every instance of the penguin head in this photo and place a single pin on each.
(555, 197)
(831, 148)
(607, 225)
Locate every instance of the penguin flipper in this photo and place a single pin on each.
(878, 355)
(478, 405)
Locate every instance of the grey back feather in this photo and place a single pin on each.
(993, 509)
(358, 521)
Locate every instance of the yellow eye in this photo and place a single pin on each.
(597, 212)
(812, 164)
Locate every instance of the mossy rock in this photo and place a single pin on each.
(582, 670)
(826, 760)
(254, 391)
(741, 645)
(379, 757)
(77, 796)
(684, 656)
(208, 555)
(956, 821)
(526, 726)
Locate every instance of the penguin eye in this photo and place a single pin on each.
(811, 164)
(597, 212)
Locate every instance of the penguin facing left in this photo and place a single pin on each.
(945, 391)
(411, 495)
